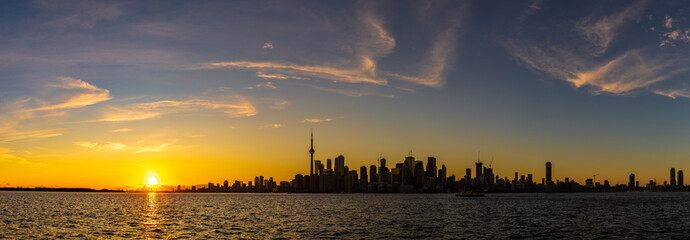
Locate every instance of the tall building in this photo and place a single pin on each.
(673, 177)
(311, 153)
(548, 173)
(340, 166)
(372, 174)
(468, 175)
(681, 184)
(631, 183)
(431, 167)
(479, 169)
(363, 175)
(328, 165)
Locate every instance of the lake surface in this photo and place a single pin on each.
(361, 216)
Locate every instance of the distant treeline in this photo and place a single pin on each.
(45, 189)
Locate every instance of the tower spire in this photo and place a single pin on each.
(311, 152)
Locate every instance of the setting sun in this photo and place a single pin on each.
(152, 181)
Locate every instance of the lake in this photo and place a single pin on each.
(359, 216)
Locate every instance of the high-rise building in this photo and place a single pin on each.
(673, 177)
(311, 153)
(372, 174)
(340, 166)
(681, 184)
(478, 166)
(431, 167)
(328, 165)
(468, 175)
(631, 183)
(363, 175)
(409, 160)
(548, 173)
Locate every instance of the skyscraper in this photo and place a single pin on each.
(548, 173)
(673, 177)
(631, 183)
(479, 169)
(311, 152)
(681, 184)
(328, 165)
(431, 167)
(340, 166)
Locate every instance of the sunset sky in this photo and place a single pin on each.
(102, 94)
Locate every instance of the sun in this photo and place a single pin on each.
(152, 181)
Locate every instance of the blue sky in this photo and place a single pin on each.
(232, 88)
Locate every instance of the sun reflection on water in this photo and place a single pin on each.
(151, 216)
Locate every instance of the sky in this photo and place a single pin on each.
(103, 94)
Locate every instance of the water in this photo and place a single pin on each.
(53, 215)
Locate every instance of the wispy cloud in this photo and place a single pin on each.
(357, 75)
(134, 148)
(628, 72)
(432, 69)
(354, 92)
(277, 103)
(76, 93)
(152, 148)
(275, 125)
(268, 45)
(316, 120)
(15, 135)
(237, 106)
(600, 31)
(669, 22)
(369, 42)
(263, 85)
(583, 64)
(276, 76)
(122, 130)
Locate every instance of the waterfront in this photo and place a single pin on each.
(259, 216)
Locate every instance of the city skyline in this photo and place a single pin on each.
(105, 94)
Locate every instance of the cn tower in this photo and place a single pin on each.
(311, 152)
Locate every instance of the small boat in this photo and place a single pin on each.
(468, 194)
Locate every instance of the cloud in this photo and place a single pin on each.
(268, 45)
(276, 103)
(669, 22)
(122, 130)
(108, 146)
(623, 72)
(7, 155)
(136, 148)
(354, 93)
(237, 106)
(80, 14)
(674, 93)
(263, 85)
(275, 125)
(628, 72)
(276, 76)
(600, 31)
(357, 75)
(369, 41)
(674, 36)
(152, 148)
(75, 93)
(316, 120)
(431, 72)
(14, 135)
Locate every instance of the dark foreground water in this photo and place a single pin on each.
(360, 216)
